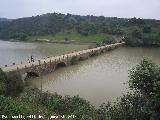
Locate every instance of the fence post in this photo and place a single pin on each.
(39, 62)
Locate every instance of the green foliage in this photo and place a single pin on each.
(137, 34)
(143, 102)
(143, 34)
(20, 36)
(55, 26)
(138, 21)
(75, 37)
(137, 38)
(128, 107)
(66, 39)
(74, 60)
(12, 107)
(53, 23)
(10, 86)
(67, 105)
(127, 40)
(147, 29)
(151, 40)
(145, 78)
(109, 40)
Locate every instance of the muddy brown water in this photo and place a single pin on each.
(98, 79)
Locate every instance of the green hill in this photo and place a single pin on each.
(89, 28)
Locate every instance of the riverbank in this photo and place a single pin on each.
(90, 44)
(71, 38)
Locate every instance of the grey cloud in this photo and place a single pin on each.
(117, 8)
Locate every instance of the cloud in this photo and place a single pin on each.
(117, 8)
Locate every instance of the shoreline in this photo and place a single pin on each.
(54, 42)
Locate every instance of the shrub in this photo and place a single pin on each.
(66, 39)
(109, 40)
(20, 36)
(67, 105)
(145, 78)
(74, 60)
(147, 29)
(151, 40)
(11, 107)
(143, 102)
(10, 85)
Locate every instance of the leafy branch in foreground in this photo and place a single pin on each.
(10, 85)
(143, 102)
(55, 103)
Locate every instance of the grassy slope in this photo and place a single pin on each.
(74, 36)
(14, 106)
(90, 38)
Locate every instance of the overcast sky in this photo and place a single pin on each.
(108, 8)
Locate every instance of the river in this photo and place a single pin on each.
(99, 79)
(15, 52)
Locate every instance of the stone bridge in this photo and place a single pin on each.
(44, 66)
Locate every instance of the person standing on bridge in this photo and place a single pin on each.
(28, 61)
(32, 59)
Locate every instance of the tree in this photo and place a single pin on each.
(145, 78)
(127, 40)
(109, 40)
(143, 102)
(74, 60)
(137, 34)
(147, 29)
(137, 21)
(20, 36)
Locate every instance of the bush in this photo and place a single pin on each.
(145, 78)
(128, 107)
(10, 86)
(11, 107)
(66, 39)
(151, 40)
(109, 40)
(2, 85)
(74, 60)
(147, 29)
(143, 102)
(128, 40)
(67, 105)
(20, 36)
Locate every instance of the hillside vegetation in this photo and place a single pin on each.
(61, 27)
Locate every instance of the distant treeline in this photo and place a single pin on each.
(53, 23)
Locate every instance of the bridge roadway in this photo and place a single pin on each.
(51, 62)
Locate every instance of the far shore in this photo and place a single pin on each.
(53, 41)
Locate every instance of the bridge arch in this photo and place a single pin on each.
(28, 75)
(61, 64)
